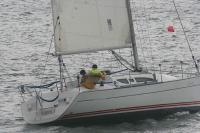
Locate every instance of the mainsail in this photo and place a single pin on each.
(90, 25)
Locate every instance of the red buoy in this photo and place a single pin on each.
(170, 28)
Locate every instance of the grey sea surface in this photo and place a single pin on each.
(25, 36)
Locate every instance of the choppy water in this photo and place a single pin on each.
(25, 35)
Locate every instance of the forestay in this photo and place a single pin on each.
(90, 25)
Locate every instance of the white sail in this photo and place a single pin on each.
(90, 25)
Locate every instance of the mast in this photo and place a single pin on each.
(132, 33)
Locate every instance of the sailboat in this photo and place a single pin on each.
(83, 26)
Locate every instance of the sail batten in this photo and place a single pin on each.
(90, 25)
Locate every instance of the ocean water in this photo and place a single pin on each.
(25, 36)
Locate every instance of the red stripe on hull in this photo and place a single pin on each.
(128, 109)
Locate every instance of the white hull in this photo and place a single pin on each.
(90, 103)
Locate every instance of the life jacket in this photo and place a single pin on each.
(95, 72)
(94, 75)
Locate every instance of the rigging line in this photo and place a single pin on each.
(117, 58)
(61, 71)
(195, 63)
(68, 74)
(121, 58)
(49, 100)
(120, 64)
(51, 42)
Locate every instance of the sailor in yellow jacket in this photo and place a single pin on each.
(94, 75)
(95, 72)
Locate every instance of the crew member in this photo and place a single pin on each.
(96, 72)
(86, 81)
